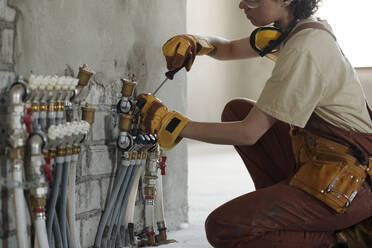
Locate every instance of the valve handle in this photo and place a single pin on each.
(27, 119)
(163, 165)
(48, 170)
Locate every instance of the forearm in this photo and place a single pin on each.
(245, 132)
(230, 50)
(227, 133)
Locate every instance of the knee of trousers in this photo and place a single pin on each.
(237, 109)
(220, 234)
(211, 230)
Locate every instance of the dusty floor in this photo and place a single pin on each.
(216, 175)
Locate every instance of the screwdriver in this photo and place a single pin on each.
(170, 74)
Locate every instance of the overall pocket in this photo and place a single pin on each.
(330, 178)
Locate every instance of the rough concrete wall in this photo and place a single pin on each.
(116, 38)
(7, 75)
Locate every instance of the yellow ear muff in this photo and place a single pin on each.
(264, 37)
(262, 40)
(266, 40)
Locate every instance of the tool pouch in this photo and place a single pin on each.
(327, 172)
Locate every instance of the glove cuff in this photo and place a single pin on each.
(204, 47)
(171, 126)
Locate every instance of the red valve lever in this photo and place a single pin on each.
(162, 164)
(48, 170)
(27, 119)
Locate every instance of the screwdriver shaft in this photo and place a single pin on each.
(161, 85)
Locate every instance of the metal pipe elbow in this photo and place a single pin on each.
(36, 143)
(18, 92)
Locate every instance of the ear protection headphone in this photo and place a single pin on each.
(265, 40)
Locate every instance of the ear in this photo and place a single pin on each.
(286, 3)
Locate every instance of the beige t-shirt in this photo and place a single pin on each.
(312, 75)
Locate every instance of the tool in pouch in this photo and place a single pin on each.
(170, 74)
(328, 171)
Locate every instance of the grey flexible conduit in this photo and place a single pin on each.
(116, 187)
(124, 205)
(57, 233)
(43, 124)
(69, 241)
(63, 204)
(51, 121)
(53, 201)
(118, 205)
(111, 216)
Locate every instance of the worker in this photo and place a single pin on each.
(306, 141)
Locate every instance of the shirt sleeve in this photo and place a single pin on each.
(294, 88)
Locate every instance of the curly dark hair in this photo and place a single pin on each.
(302, 9)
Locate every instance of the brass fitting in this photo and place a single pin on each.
(61, 151)
(125, 122)
(143, 155)
(151, 240)
(149, 191)
(127, 156)
(52, 107)
(35, 107)
(69, 151)
(84, 75)
(162, 236)
(128, 87)
(16, 153)
(59, 106)
(43, 107)
(52, 153)
(76, 150)
(38, 202)
(88, 114)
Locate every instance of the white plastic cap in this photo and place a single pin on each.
(59, 83)
(31, 81)
(43, 83)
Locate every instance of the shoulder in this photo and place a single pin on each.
(311, 39)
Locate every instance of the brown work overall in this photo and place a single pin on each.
(276, 214)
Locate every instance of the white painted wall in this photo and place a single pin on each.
(211, 83)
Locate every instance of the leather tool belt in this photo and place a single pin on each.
(328, 170)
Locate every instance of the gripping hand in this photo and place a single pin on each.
(156, 118)
(177, 49)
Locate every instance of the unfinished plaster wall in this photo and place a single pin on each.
(116, 38)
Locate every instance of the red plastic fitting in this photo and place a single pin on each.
(48, 170)
(162, 164)
(39, 210)
(27, 119)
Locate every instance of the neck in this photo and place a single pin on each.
(284, 21)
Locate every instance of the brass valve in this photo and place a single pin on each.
(88, 114)
(125, 122)
(128, 87)
(84, 75)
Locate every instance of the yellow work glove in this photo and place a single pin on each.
(177, 49)
(156, 118)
